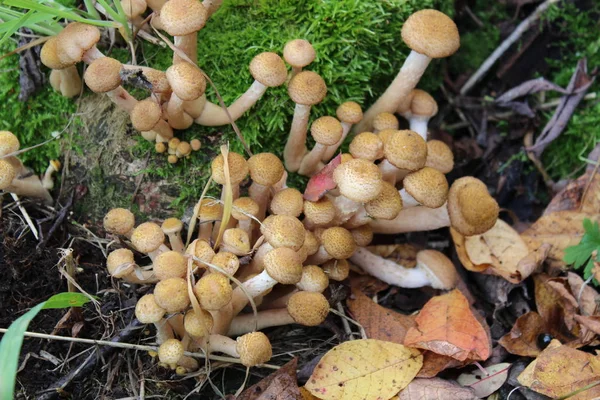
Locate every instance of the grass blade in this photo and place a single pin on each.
(15, 25)
(70, 15)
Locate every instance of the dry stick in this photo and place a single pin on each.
(25, 215)
(504, 46)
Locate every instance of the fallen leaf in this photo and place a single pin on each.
(485, 385)
(322, 182)
(529, 87)
(435, 389)
(367, 284)
(280, 385)
(526, 377)
(588, 298)
(434, 363)
(306, 395)
(364, 369)
(553, 308)
(592, 323)
(522, 338)
(461, 251)
(446, 325)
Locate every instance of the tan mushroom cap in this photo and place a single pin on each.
(133, 8)
(349, 112)
(172, 294)
(366, 145)
(196, 144)
(439, 156)
(438, 268)
(283, 231)
(184, 149)
(299, 53)
(227, 261)
(386, 134)
(265, 169)
(201, 249)
(337, 270)
(338, 242)
(210, 210)
(145, 115)
(237, 241)
(119, 221)
(9, 143)
(171, 225)
(170, 351)
(103, 75)
(75, 40)
(308, 308)
(431, 33)
(49, 55)
(147, 237)
(269, 69)
(186, 80)
(386, 205)
(471, 209)
(283, 265)
(238, 168)
(346, 157)
(243, 207)
(428, 186)
(183, 17)
(170, 264)
(254, 348)
(319, 212)
(307, 88)
(363, 235)
(385, 120)
(423, 104)
(326, 130)
(147, 311)
(158, 79)
(120, 263)
(213, 291)
(406, 149)
(196, 325)
(288, 201)
(311, 243)
(313, 279)
(358, 180)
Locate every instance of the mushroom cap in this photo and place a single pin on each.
(265, 169)
(171, 225)
(74, 41)
(406, 149)
(366, 145)
(269, 69)
(319, 212)
(173, 143)
(283, 231)
(254, 348)
(405, 103)
(299, 53)
(183, 149)
(237, 241)
(358, 180)
(439, 156)
(307, 88)
(385, 120)
(238, 168)
(147, 237)
(133, 8)
(213, 291)
(183, 17)
(103, 75)
(386, 205)
(158, 79)
(49, 55)
(288, 201)
(7, 174)
(311, 243)
(198, 325)
(283, 265)
(201, 249)
(119, 221)
(386, 134)
(338, 242)
(160, 147)
(428, 186)
(313, 279)
(471, 209)
(362, 235)
(423, 104)
(431, 33)
(9, 143)
(172, 294)
(308, 308)
(147, 311)
(210, 210)
(438, 268)
(120, 263)
(170, 351)
(326, 130)
(170, 264)
(186, 80)
(346, 157)
(227, 261)
(337, 270)
(145, 115)
(243, 207)
(349, 112)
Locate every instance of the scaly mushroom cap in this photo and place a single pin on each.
(338, 242)
(187, 82)
(74, 41)
(313, 279)
(385, 120)
(349, 112)
(9, 143)
(438, 268)
(269, 69)
(311, 243)
(283, 231)
(158, 79)
(287, 201)
(283, 265)
(439, 156)
(201, 249)
(119, 221)
(307, 88)
(299, 53)
(227, 261)
(428, 186)
(172, 295)
(103, 75)
(238, 168)
(367, 145)
(431, 33)
(265, 169)
(254, 348)
(171, 225)
(147, 237)
(120, 263)
(423, 104)
(308, 308)
(386, 134)
(213, 291)
(210, 210)
(133, 8)
(326, 130)
(386, 205)
(243, 208)
(319, 212)
(237, 241)
(170, 264)
(145, 115)
(471, 209)
(363, 235)
(406, 149)
(147, 311)
(196, 325)
(170, 351)
(358, 179)
(7, 174)
(49, 55)
(183, 17)
(337, 270)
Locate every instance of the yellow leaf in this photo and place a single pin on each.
(364, 369)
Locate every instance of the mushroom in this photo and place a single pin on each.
(362, 235)
(148, 238)
(47, 180)
(188, 84)
(184, 149)
(385, 206)
(64, 77)
(439, 156)
(146, 117)
(336, 242)
(213, 291)
(348, 113)
(201, 250)
(30, 187)
(170, 351)
(238, 171)
(326, 131)
(314, 279)
(283, 231)
(429, 34)
(227, 261)
(252, 348)
(244, 210)
(209, 212)
(366, 145)
(172, 228)
(298, 53)
(77, 42)
(196, 144)
(119, 221)
(121, 264)
(287, 201)
(318, 213)
(266, 169)
(170, 264)
(404, 150)
(172, 294)
(418, 111)
(148, 312)
(182, 19)
(385, 120)
(103, 75)
(427, 187)
(236, 241)
(337, 270)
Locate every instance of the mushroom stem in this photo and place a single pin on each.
(261, 195)
(414, 219)
(91, 55)
(254, 287)
(30, 187)
(407, 199)
(331, 150)
(187, 44)
(178, 118)
(47, 181)
(220, 344)
(122, 98)
(66, 81)
(195, 108)
(419, 125)
(265, 319)
(295, 147)
(311, 161)
(389, 172)
(176, 242)
(205, 231)
(164, 331)
(214, 115)
(382, 269)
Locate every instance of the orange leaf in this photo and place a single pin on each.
(447, 326)
(553, 308)
(434, 363)
(522, 338)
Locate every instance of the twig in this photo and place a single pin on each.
(25, 215)
(340, 308)
(505, 45)
(343, 316)
(62, 214)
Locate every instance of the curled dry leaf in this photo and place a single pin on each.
(434, 363)
(322, 182)
(592, 323)
(588, 298)
(280, 385)
(485, 385)
(435, 389)
(365, 369)
(556, 310)
(522, 338)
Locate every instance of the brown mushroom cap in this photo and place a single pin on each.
(308, 308)
(349, 112)
(170, 351)
(49, 56)
(319, 212)
(385, 120)
(201, 249)
(184, 149)
(299, 53)
(243, 208)
(326, 130)
(74, 41)
(338, 270)
(288, 201)
(358, 180)
(386, 205)
(313, 279)
(311, 243)
(210, 210)
(438, 268)
(119, 221)
(9, 143)
(423, 104)
(170, 264)
(227, 261)
(283, 265)
(186, 80)
(213, 291)
(366, 145)
(431, 33)
(265, 168)
(428, 186)
(172, 295)
(120, 263)
(254, 348)
(238, 168)
(103, 75)
(133, 8)
(269, 69)
(182, 17)
(363, 235)
(237, 241)
(283, 231)
(171, 225)
(338, 242)
(145, 115)
(406, 149)
(386, 134)
(147, 237)
(471, 209)
(147, 311)
(307, 88)
(439, 156)
(196, 325)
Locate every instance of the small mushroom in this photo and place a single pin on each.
(170, 351)
(238, 171)
(348, 113)
(439, 156)
(366, 145)
(244, 210)
(103, 75)
(182, 19)
(188, 84)
(64, 77)
(146, 117)
(172, 228)
(30, 187)
(252, 348)
(385, 120)
(421, 108)
(326, 131)
(172, 294)
(148, 238)
(121, 264)
(148, 312)
(266, 169)
(403, 150)
(213, 291)
(427, 187)
(298, 53)
(170, 264)
(336, 242)
(287, 201)
(385, 206)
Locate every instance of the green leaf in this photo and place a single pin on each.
(15, 25)
(581, 254)
(66, 300)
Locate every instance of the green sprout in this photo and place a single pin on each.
(585, 254)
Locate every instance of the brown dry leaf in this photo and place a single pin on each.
(379, 322)
(522, 338)
(366, 369)
(589, 300)
(280, 385)
(446, 325)
(553, 308)
(461, 251)
(526, 377)
(435, 389)
(592, 323)
(484, 385)
(367, 284)
(434, 363)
